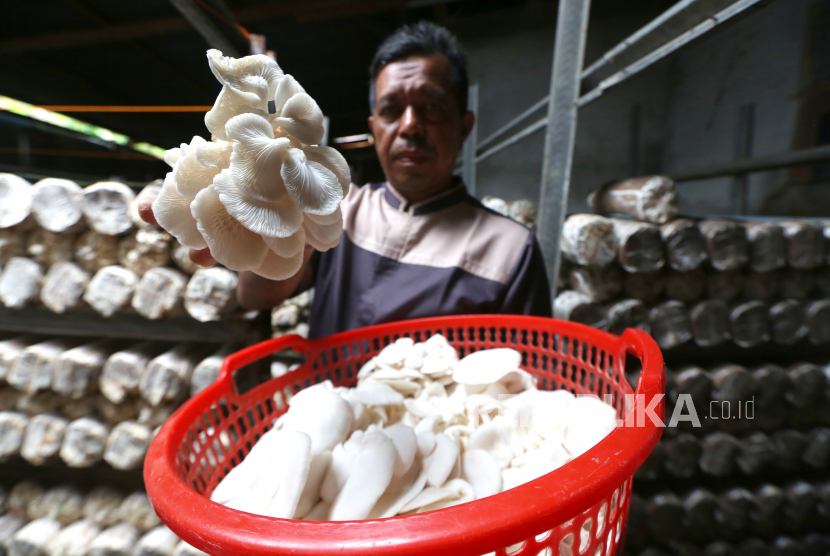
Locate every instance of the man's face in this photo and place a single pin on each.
(417, 125)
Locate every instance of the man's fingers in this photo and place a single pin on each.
(145, 210)
(202, 257)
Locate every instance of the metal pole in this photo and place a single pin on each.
(759, 164)
(206, 27)
(568, 54)
(660, 53)
(521, 117)
(468, 170)
(743, 151)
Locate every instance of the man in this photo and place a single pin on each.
(417, 245)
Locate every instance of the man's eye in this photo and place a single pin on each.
(389, 110)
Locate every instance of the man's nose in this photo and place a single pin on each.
(410, 123)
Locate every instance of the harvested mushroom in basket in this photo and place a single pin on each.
(422, 430)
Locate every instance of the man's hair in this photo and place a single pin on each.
(422, 39)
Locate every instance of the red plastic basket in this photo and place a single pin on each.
(580, 508)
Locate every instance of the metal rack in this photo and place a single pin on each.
(572, 87)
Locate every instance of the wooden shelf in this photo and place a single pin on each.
(730, 352)
(178, 329)
(54, 473)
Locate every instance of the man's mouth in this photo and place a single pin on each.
(411, 157)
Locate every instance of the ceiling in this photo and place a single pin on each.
(100, 52)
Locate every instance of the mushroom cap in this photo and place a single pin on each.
(287, 88)
(229, 103)
(456, 491)
(440, 462)
(369, 475)
(257, 157)
(426, 442)
(486, 366)
(276, 219)
(255, 77)
(334, 161)
(480, 469)
(317, 470)
(199, 163)
(275, 267)
(55, 204)
(335, 217)
(406, 446)
(230, 243)
(270, 480)
(286, 246)
(321, 414)
(589, 421)
(172, 211)
(400, 492)
(375, 393)
(492, 437)
(312, 186)
(15, 200)
(302, 119)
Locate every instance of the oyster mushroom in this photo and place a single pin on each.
(230, 243)
(302, 119)
(482, 472)
(486, 367)
(492, 438)
(440, 462)
(359, 474)
(277, 219)
(334, 161)
(318, 467)
(15, 200)
(270, 480)
(321, 414)
(313, 187)
(275, 267)
(374, 393)
(426, 443)
(286, 246)
(589, 421)
(248, 84)
(406, 446)
(257, 157)
(172, 211)
(456, 491)
(400, 492)
(199, 162)
(287, 88)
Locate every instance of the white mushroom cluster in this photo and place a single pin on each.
(421, 431)
(261, 189)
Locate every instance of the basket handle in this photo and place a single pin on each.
(653, 377)
(259, 351)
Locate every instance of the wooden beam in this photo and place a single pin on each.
(113, 33)
(212, 32)
(305, 10)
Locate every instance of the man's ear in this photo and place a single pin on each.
(468, 120)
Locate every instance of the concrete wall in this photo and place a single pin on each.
(510, 55)
(688, 104)
(758, 61)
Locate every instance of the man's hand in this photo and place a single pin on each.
(201, 257)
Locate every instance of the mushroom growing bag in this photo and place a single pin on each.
(420, 431)
(262, 189)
